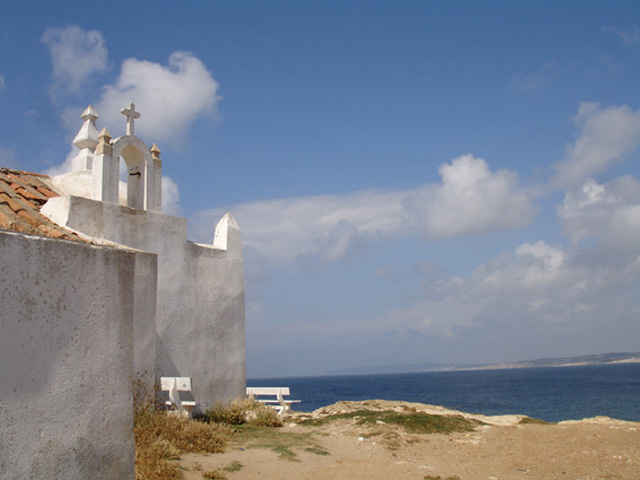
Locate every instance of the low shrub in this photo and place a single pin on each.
(230, 413)
(240, 412)
(264, 416)
(160, 438)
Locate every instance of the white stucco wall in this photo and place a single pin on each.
(200, 307)
(144, 314)
(66, 358)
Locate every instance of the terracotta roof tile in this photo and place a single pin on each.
(21, 196)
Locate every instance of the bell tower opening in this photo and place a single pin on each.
(134, 162)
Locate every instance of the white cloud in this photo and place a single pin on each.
(169, 97)
(537, 300)
(3, 85)
(540, 299)
(535, 267)
(609, 213)
(170, 197)
(607, 136)
(326, 225)
(76, 55)
(471, 199)
(544, 284)
(539, 289)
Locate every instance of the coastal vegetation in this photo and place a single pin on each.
(535, 421)
(240, 412)
(377, 439)
(161, 436)
(284, 444)
(411, 421)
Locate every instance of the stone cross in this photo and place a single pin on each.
(131, 114)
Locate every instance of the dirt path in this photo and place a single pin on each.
(501, 449)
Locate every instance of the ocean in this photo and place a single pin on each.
(551, 394)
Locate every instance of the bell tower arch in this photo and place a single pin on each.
(144, 173)
(143, 167)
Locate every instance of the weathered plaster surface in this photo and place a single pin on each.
(144, 314)
(200, 307)
(66, 357)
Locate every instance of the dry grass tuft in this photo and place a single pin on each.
(245, 411)
(214, 475)
(534, 421)
(161, 438)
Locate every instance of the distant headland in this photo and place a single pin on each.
(583, 360)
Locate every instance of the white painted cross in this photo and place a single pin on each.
(131, 114)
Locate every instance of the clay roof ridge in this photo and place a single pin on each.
(21, 196)
(9, 171)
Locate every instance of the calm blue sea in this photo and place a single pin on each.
(552, 394)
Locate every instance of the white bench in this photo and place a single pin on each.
(175, 385)
(275, 397)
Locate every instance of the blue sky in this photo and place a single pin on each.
(416, 182)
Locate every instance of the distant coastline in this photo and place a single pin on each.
(577, 361)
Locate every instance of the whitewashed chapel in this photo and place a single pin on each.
(130, 295)
(199, 319)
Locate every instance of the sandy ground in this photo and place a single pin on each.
(590, 449)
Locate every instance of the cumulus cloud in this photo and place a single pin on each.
(609, 213)
(534, 267)
(536, 300)
(607, 136)
(3, 85)
(549, 284)
(538, 290)
(169, 97)
(470, 200)
(285, 229)
(76, 55)
(539, 298)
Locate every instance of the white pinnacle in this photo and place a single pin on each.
(87, 136)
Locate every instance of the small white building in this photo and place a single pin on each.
(135, 297)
